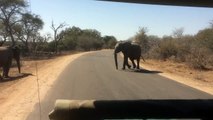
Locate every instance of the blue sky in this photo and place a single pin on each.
(121, 20)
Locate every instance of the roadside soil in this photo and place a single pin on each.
(19, 94)
(199, 79)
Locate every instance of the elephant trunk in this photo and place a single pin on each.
(116, 61)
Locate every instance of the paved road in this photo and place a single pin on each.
(93, 76)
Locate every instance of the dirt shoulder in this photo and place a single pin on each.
(202, 80)
(18, 96)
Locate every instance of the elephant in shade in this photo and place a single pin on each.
(6, 56)
(129, 50)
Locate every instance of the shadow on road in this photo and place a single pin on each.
(22, 75)
(143, 71)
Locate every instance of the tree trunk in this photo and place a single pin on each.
(9, 31)
(11, 35)
(56, 47)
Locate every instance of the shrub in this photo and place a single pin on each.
(200, 58)
(205, 38)
(167, 48)
(183, 46)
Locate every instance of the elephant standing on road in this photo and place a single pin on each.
(6, 56)
(129, 50)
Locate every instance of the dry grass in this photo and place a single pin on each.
(200, 79)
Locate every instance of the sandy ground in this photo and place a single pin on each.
(18, 96)
(202, 80)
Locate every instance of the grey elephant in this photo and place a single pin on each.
(6, 56)
(129, 50)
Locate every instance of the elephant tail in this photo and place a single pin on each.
(143, 58)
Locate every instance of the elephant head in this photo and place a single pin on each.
(120, 47)
(16, 56)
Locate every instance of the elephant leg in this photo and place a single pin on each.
(129, 66)
(5, 71)
(133, 63)
(125, 62)
(138, 63)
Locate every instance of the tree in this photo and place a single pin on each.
(57, 37)
(3, 34)
(71, 37)
(205, 38)
(90, 39)
(28, 29)
(10, 14)
(142, 39)
(41, 43)
(178, 33)
(85, 42)
(109, 41)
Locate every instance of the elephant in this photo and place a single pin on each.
(6, 56)
(129, 50)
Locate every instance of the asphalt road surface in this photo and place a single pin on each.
(93, 76)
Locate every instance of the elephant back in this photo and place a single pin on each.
(135, 51)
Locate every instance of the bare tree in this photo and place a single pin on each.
(178, 32)
(57, 36)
